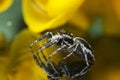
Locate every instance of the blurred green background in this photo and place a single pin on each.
(16, 62)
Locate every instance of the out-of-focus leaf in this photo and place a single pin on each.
(96, 28)
(11, 20)
(49, 14)
(5, 4)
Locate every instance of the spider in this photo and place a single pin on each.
(73, 45)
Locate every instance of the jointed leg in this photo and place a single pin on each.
(48, 63)
(88, 51)
(53, 67)
(71, 47)
(58, 50)
(42, 37)
(37, 57)
(84, 70)
(40, 51)
(39, 62)
(87, 65)
(46, 66)
(45, 46)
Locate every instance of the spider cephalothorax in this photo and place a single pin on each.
(73, 45)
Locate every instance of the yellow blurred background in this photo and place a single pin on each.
(23, 21)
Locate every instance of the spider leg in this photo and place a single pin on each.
(40, 51)
(84, 70)
(90, 53)
(87, 66)
(39, 39)
(54, 69)
(37, 57)
(36, 41)
(40, 63)
(58, 50)
(88, 50)
(36, 60)
(42, 37)
(74, 45)
(45, 46)
(47, 66)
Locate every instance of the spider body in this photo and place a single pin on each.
(73, 45)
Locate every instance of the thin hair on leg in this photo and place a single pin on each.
(84, 70)
(40, 38)
(55, 52)
(72, 46)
